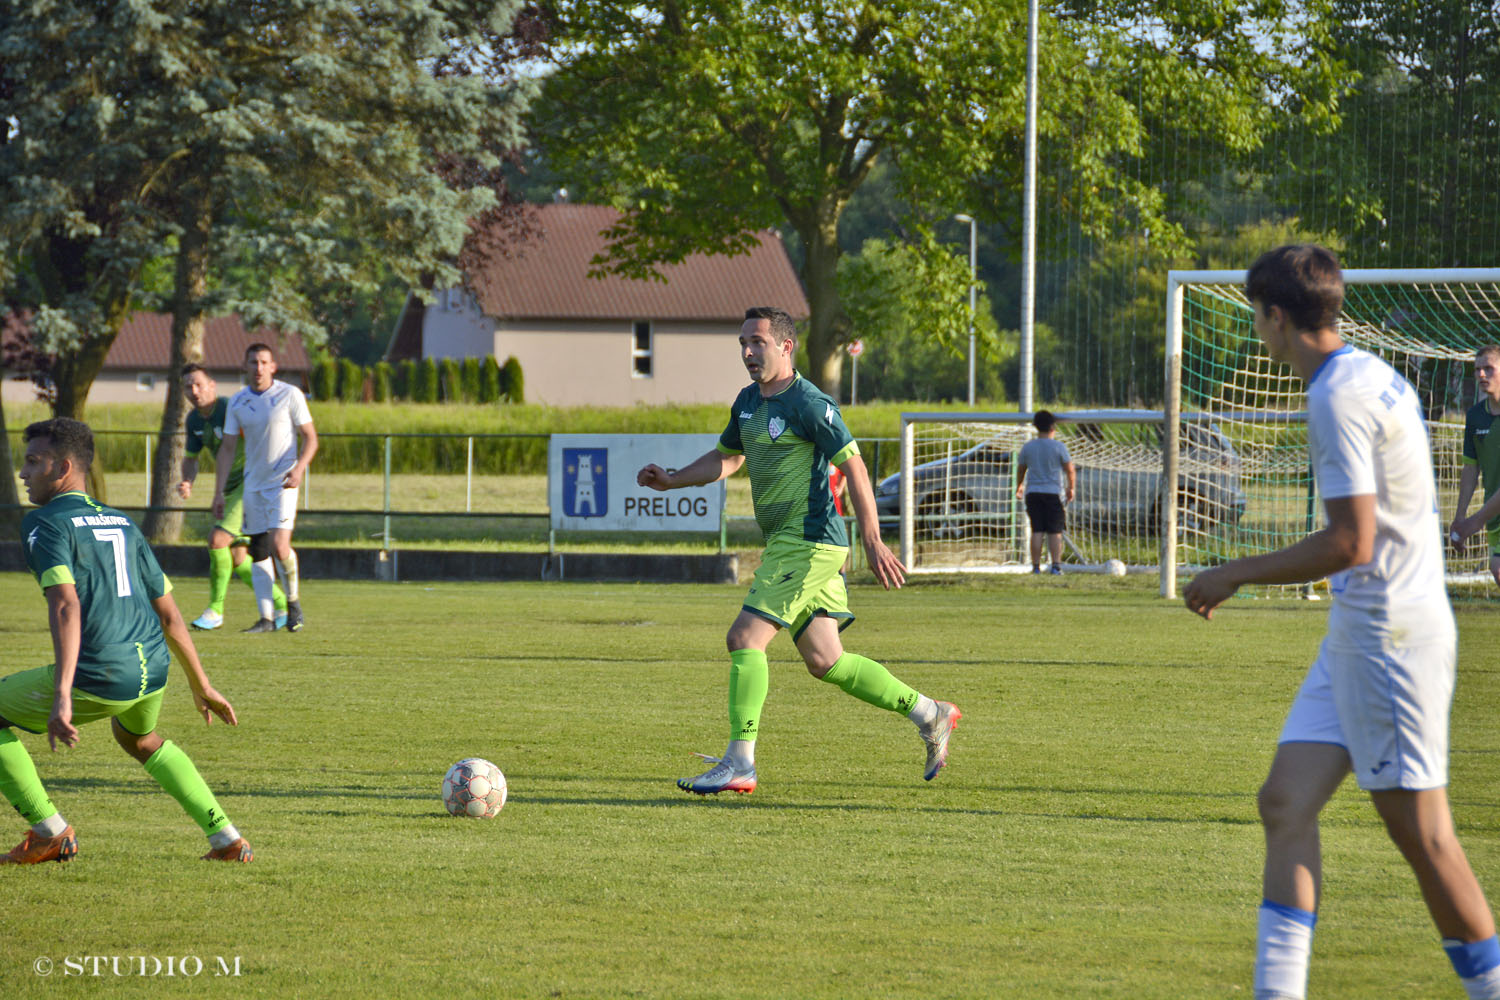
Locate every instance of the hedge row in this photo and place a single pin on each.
(123, 429)
(471, 380)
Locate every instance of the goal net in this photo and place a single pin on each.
(955, 496)
(1426, 324)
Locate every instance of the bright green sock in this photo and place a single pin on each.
(748, 680)
(870, 682)
(277, 594)
(19, 782)
(174, 772)
(220, 565)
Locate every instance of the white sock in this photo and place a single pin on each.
(1282, 949)
(289, 576)
(1485, 986)
(263, 577)
(924, 713)
(224, 837)
(50, 827)
(741, 754)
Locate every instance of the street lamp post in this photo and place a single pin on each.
(973, 254)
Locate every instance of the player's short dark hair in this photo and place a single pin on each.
(68, 438)
(1044, 421)
(189, 368)
(1304, 279)
(256, 348)
(782, 326)
(1488, 350)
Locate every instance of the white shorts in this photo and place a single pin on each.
(268, 509)
(1388, 706)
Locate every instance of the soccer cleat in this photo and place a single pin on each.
(936, 737)
(1056, 570)
(210, 619)
(1036, 569)
(264, 625)
(293, 616)
(722, 777)
(34, 849)
(280, 620)
(239, 850)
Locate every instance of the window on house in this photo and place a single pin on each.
(145, 382)
(640, 350)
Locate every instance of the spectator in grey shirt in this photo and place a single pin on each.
(1043, 466)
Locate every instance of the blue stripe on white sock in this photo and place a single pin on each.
(1473, 958)
(1304, 917)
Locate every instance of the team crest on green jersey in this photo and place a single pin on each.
(775, 426)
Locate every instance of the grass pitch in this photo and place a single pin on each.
(1094, 835)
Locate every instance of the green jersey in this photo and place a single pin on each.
(209, 430)
(74, 539)
(1481, 447)
(789, 440)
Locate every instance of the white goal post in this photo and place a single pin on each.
(1425, 322)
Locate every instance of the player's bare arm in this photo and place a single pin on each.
(709, 467)
(1347, 541)
(208, 701)
(1020, 479)
(222, 462)
(1072, 471)
(883, 562)
(309, 434)
(189, 473)
(65, 619)
(1463, 527)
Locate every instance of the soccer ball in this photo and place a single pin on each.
(474, 788)
(1114, 568)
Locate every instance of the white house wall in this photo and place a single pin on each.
(589, 362)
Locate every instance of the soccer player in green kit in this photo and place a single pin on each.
(228, 548)
(788, 433)
(1481, 460)
(113, 622)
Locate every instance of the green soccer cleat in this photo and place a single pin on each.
(722, 777)
(936, 737)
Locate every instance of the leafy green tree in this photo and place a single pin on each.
(335, 142)
(351, 381)
(707, 120)
(323, 380)
(512, 381)
(450, 380)
(469, 380)
(406, 380)
(424, 387)
(380, 382)
(489, 380)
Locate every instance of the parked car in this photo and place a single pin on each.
(1118, 487)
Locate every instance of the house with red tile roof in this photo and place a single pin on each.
(608, 341)
(135, 370)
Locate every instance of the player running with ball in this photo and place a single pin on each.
(787, 433)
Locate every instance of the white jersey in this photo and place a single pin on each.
(1367, 437)
(269, 421)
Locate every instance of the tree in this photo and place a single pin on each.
(707, 120)
(1407, 177)
(335, 143)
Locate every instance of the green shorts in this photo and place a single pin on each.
(234, 516)
(798, 580)
(1493, 531)
(26, 701)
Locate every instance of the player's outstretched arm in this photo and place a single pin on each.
(1347, 541)
(883, 562)
(709, 467)
(1468, 479)
(208, 701)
